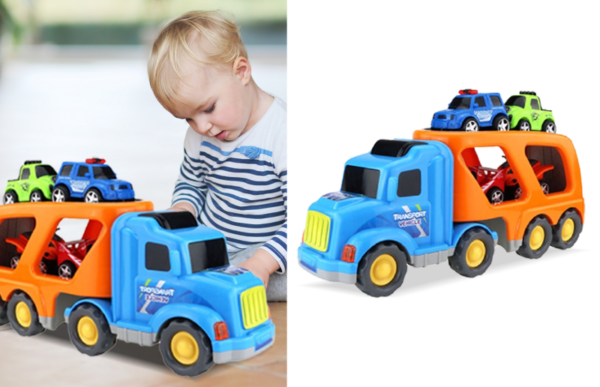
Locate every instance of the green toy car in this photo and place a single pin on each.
(34, 184)
(525, 113)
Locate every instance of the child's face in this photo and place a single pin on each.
(216, 102)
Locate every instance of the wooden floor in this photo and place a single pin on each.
(50, 360)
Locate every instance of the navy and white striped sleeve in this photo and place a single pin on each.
(277, 245)
(190, 186)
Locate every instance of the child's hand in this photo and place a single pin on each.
(183, 206)
(262, 265)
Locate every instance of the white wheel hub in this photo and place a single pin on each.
(91, 197)
(58, 196)
(471, 126)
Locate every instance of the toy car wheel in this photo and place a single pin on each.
(536, 239)
(60, 194)
(495, 195)
(23, 315)
(470, 125)
(89, 331)
(545, 187)
(524, 125)
(93, 196)
(185, 348)
(567, 230)
(10, 197)
(14, 261)
(3, 315)
(501, 124)
(36, 196)
(66, 270)
(518, 192)
(549, 127)
(381, 270)
(473, 254)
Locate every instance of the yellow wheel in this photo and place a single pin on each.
(383, 270)
(536, 239)
(568, 229)
(22, 315)
(185, 348)
(87, 331)
(475, 253)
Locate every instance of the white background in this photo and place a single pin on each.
(362, 71)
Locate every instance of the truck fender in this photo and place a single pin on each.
(460, 229)
(67, 187)
(467, 117)
(202, 316)
(102, 304)
(366, 239)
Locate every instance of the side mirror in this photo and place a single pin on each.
(87, 175)
(475, 105)
(392, 189)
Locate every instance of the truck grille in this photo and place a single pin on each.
(317, 231)
(254, 307)
(442, 117)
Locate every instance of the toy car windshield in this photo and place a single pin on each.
(44, 170)
(202, 260)
(361, 181)
(460, 103)
(104, 173)
(516, 100)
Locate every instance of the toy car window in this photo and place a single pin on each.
(208, 254)
(157, 257)
(44, 170)
(516, 100)
(460, 103)
(480, 101)
(66, 171)
(496, 100)
(409, 183)
(82, 171)
(534, 104)
(363, 181)
(105, 173)
(25, 174)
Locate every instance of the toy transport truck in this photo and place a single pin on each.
(150, 277)
(34, 184)
(525, 113)
(470, 111)
(416, 202)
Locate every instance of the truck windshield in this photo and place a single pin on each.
(361, 181)
(44, 170)
(516, 100)
(460, 103)
(208, 254)
(104, 173)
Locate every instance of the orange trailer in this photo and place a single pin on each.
(51, 294)
(512, 219)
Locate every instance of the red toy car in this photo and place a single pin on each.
(496, 182)
(67, 256)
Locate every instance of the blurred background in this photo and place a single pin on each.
(74, 85)
(73, 82)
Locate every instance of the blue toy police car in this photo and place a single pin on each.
(92, 181)
(470, 110)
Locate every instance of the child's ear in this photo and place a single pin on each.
(242, 70)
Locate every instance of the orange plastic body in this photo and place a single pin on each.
(471, 205)
(93, 278)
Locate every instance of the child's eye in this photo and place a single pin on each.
(210, 109)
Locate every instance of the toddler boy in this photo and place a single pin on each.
(234, 172)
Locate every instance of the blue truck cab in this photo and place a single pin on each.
(92, 181)
(471, 110)
(395, 208)
(172, 284)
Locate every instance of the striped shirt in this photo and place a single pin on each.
(240, 187)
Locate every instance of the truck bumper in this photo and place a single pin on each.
(327, 269)
(242, 348)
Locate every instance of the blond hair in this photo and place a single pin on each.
(206, 37)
